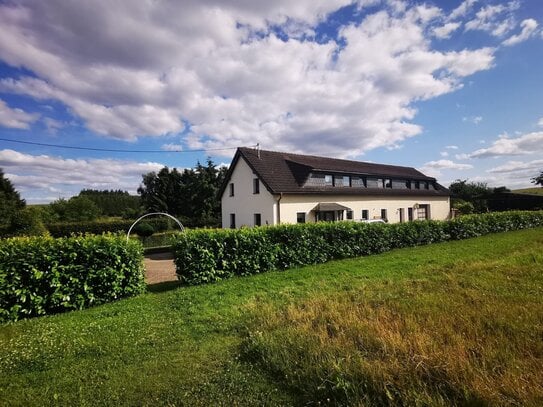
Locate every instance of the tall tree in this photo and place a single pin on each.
(10, 200)
(538, 180)
(474, 192)
(113, 202)
(191, 195)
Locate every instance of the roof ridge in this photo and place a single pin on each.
(326, 158)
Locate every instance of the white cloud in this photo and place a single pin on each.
(531, 143)
(473, 119)
(515, 166)
(444, 154)
(37, 177)
(16, 118)
(153, 66)
(496, 19)
(52, 125)
(435, 168)
(171, 147)
(452, 147)
(446, 30)
(462, 9)
(540, 122)
(529, 27)
(447, 165)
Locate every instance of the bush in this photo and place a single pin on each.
(144, 230)
(42, 275)
(204, 256)
(98, 227)
(27, 222)
(77, 208)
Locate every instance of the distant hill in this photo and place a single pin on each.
(531, 191)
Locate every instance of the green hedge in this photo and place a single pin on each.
(98, 227)
(204, 256)
(42, 275)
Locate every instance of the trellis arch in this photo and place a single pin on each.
(154, 213)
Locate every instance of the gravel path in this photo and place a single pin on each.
(159, 268)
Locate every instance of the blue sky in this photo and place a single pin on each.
(452, 88)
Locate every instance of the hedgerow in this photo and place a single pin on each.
(43, 275)
(204, 256)
(97, 227)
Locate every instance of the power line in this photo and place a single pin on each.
(113, 150)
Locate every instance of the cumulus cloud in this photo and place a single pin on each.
(452, 147)
(529, 27)
(540, 122)
(531, 143)
(447, 165)
(516, 166)
(172, 147)
(446, 30)
(40, 177)
(231, 74)
(435, 168)
(496, 19)
(462, 9)
(16, 118)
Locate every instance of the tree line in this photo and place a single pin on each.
(192, 195)
(189, 194)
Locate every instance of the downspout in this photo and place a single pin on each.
(279, 208)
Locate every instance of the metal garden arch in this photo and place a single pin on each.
(150, 214)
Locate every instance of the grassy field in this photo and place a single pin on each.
(453, 323)
(533, 191)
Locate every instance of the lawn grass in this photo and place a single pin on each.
(531, 191)
(458, 322)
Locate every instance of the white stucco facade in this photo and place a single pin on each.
(285, 208)
(244, 203)
(438, 207)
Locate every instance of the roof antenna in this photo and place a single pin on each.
(258, 150)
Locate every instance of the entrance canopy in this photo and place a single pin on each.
(325, 207)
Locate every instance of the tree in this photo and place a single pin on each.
(538, 180)
(474, 192)
(191, 195)
(113, 202)
(77, 208)
(10, 200)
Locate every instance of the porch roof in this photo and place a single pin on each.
(330, 206)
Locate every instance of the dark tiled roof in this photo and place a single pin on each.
(287, 173)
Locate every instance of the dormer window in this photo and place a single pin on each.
(342, 181)
(328, 180)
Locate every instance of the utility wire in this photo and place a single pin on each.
(112, 150)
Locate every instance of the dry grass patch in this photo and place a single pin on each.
(469, 335)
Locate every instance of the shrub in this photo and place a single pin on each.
(42, 275)
(203, 256)
(27, 222)
(98, 227)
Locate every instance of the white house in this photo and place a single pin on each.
(268, 188)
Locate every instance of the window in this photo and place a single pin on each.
(425, 184)
(232, 221)
(256, 186)
(402, 215)
(349, 215)
(417, 185)
(231, 189)
(300, 217)
(380, 182)
(384, 215)
(423, 212)
(258, 219)
(342, 181)
(328, 180)
(357, 182)
(365, 214)
(410, 214)
(387, 183)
